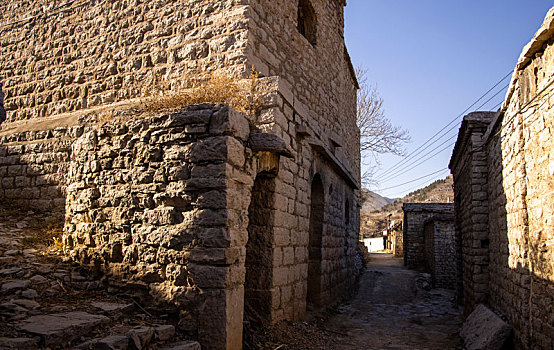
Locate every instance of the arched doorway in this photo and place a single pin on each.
(317, 210)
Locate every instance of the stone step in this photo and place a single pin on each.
(61, 329)
(135, 339)
(184, 345)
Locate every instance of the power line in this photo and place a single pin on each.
(445, 127)
(408, 165)
(409, 182)
(412, 189)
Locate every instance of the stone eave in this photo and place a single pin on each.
(470, 121)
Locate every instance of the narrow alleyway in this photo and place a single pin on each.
(391, 310)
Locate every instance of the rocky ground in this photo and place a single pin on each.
(393, 309)
(46, 302)
(49, 303)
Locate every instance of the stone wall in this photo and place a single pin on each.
(518, 152)
(415, 216)
(440, 251)
(163, 202)
(34, 165)
(469, 167)
(309, 73)
(397, 240)
(129, 202)
(56, 58)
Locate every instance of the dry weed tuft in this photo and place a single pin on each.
(244, 95)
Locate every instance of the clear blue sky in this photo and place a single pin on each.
(430, 60)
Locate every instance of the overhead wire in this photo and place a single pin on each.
(410, 190)
(414, 180)
(414, 152)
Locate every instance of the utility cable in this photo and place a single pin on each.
(409, 166)
(409, 182)
(445, 127)
(401, 168)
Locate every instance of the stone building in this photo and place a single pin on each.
(429, 241)
(503, 167)
(211, 212)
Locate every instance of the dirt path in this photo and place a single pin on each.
(390, 311)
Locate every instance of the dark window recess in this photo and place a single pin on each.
(307, 21)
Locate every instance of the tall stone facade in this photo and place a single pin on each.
(209, 211)
(503, 170)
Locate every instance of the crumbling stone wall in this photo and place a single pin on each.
(60, 63)
(518, 147)
(415, 216)
(163, 201)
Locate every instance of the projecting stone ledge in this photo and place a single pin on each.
(263, 142)
(62, 328)
(484, 330)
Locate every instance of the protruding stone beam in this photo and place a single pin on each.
(263, 142)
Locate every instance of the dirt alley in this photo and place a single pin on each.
(391, 310)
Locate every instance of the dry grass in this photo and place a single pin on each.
(50, 236)
(244, 95)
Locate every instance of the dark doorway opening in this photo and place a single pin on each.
(317, 210)
(259, 257)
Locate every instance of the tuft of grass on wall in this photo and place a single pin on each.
(244, 95)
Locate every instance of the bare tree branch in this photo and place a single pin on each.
(377, 134)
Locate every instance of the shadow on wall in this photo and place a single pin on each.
(521, 266)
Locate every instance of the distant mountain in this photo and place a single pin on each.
(373, 221)
(373, 201)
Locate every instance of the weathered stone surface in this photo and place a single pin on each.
(114, 342)
(484, 330)
(140, 337)
(502, 167)
(18, 343)
(61, 328)
(11, 286)
(165, 332)
(113, 308)
(184, 345)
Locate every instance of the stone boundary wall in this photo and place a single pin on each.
(34, 165)
(518, 144)
(415, 215)
(162, 202)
